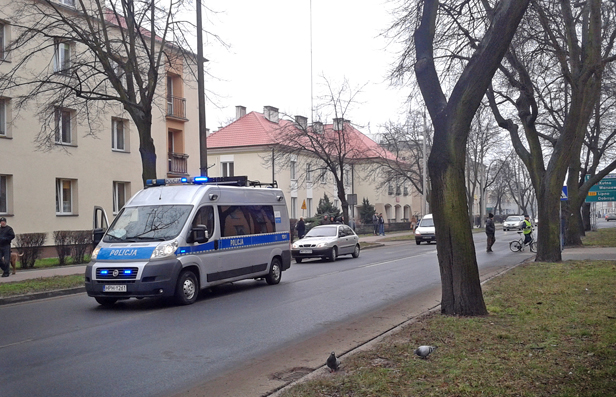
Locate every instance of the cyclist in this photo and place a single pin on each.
(528, 230)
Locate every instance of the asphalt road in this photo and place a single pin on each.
(72, 346)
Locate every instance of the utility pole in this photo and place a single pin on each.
(201, 92)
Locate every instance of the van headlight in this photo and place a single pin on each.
(164, 250)
(95, 253)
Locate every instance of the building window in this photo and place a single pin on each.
(3, 111)
(309, 207)
(62, 57)
(70, 3)
(120, 192)
(4, 188)
(64, 196)
(294, 207)
(227, 169)
(118, 138)
(63, 126)
(308, 172)
(293, 170)
(2, 41)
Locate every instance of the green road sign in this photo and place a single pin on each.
(607, 183)
(603, 195)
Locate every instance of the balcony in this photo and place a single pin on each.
(176, 108)
(178, 164)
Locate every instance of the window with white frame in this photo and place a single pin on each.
(62, 56)
(120, 193)
(294, 207)
(65, 196)
(4, 193)
(118, 136)
(63, 126)
(309, 207)
(293, 167)
(227, 168)
(308, 172)
(3, 111)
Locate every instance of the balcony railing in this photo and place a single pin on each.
(178, 163)
(176, 107)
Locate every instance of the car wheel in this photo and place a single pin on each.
(417, 242)
(333, 254)
(106, 301)
(356, 251)
(298, 260)
(275, 273)
(187, 288)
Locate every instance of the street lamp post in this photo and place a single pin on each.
(424, 178)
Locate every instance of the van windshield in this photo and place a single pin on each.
(148, 223)
(426, 222)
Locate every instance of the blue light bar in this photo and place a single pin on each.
(200, 179)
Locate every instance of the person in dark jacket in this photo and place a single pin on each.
(6, 236)
(301, 228)
(490, 231)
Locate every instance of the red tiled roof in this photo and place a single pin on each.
(255, 130)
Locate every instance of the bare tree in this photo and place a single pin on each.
(554, 68)
(470, 73)
(104, 53)
(320, 150)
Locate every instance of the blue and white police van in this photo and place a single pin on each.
(178, 236)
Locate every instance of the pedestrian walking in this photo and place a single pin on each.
(6, 236)
(375, 223)
(300, 226)
(381, 224)
(490, 231)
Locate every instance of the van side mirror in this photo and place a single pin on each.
(97, 236)
(198, 234)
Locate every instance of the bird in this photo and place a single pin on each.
(424, 351)
(332, 362)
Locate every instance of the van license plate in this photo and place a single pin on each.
(114, 288)
(305, 251)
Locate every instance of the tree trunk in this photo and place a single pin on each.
(143, 121)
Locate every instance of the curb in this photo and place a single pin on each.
(41, 295)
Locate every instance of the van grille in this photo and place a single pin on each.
(116, 273)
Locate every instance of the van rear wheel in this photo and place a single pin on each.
(187, 288)
(275, 273)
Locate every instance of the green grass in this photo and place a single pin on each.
(600, 238)
(52, 262)
(13, 288)
(551, 331)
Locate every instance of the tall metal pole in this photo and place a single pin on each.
(201, 93)
(424, 186)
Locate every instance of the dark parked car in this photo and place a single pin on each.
(610, 217)
(326, 241)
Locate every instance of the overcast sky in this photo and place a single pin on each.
(268, 62)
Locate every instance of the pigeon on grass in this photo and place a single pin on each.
(332, 362)
(424, 351)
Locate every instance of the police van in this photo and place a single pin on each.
(178, 236)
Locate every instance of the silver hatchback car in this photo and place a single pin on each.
(326, 241)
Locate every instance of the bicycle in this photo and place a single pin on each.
(518, 245)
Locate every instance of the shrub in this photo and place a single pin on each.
(81, 240)
(30, 246)
(62, 239)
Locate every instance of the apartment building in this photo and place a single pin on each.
(248, 146)
(94, 158)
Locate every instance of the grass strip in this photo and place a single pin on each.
(551, 331)
(43, 284)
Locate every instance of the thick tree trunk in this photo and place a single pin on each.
(143, 121)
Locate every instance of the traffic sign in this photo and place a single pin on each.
(304, 205)
(605, 195)
(563, 194)
(607, 183)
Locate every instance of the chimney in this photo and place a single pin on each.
(302, 121)
(207, 132)
(271, 113)
(338, 124)
(240, 111)
(317, 126)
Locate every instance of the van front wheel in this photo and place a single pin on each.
(275, 273)
(187, 288)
